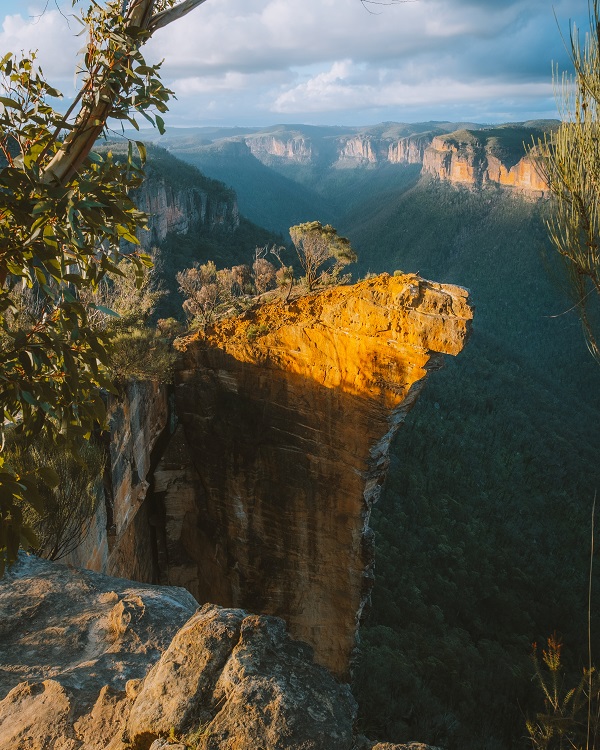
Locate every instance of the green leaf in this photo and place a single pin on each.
(48, 476)
(28, 398)
(142, 151)
(8, 102)
(105, 310)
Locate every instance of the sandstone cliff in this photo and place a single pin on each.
(179, 199)
(287, 416)
(296, 149)
(477, 158)
(121, 540)
(472, 156)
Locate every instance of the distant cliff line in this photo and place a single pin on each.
(467, 154)
(469, 157)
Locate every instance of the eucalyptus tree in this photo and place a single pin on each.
(65, 212)
(321, 251)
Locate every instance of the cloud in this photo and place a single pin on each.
(50, 34)
(254, 60)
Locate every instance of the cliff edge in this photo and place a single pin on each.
(287, 414)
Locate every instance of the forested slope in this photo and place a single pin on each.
(483, 530)
(482, 534)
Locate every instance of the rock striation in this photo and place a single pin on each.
(178, 209)
(287, 414)
(89, 662)
(296, 149)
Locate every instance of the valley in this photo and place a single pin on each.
(483, 526)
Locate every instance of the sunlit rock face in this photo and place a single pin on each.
(287, 416)
(463, 159)
(410, 150)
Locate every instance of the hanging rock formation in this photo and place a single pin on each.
(287, 416)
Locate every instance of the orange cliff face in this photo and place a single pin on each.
(287, 415)
(466, 159)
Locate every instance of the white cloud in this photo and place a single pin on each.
(346, 87)
(50, 34)
(255, 59)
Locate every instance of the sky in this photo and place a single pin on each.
(333, 62)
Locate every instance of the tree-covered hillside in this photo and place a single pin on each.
(483, 530)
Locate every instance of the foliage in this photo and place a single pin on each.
(63, 519)
(65, 213)
(571, 163)
(481, 530)
(210, 293)
(255, 331)
(321, 251)
(121, 308)
(571, 717)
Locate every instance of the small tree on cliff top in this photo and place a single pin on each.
(63, 216)
(321, 251)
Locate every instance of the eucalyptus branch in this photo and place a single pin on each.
(169, 15)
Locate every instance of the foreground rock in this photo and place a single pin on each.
(88, 661)
(287, 414)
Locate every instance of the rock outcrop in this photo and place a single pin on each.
(473, 159)
(287, 416)
(179, 199)
(89, 662)
(178, 209)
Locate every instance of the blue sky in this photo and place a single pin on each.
(260, 62)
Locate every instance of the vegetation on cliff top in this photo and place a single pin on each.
(210, 293)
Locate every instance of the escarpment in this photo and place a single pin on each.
(287, 414)
(474, 157)
(473, 160)
(178, 199)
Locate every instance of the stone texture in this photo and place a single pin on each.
(89, 662)
(238, 682)
(73, 647)
(288, 435)
(121, 539)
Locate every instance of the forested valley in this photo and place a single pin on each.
(483, 530)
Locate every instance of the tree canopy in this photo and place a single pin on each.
(65, 214)
(321, 251)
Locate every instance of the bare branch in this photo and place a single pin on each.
(172, 14)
